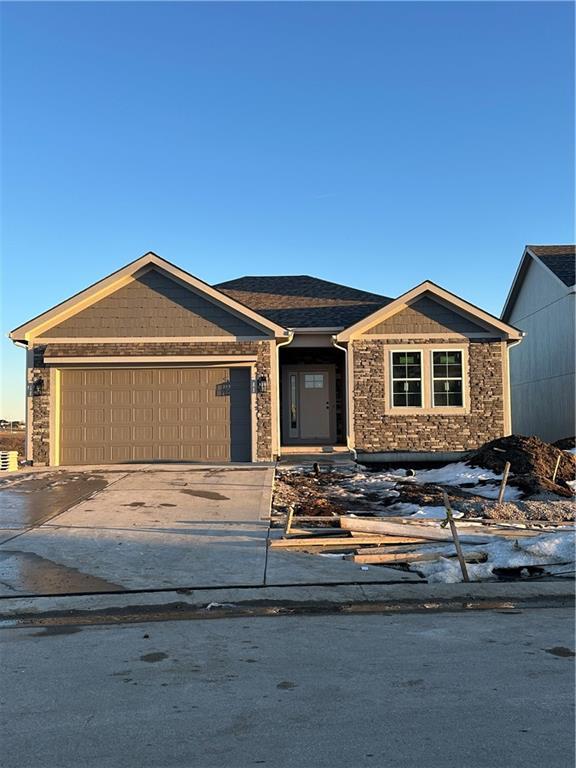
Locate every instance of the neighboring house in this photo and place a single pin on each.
(151, 363)
(541, 303)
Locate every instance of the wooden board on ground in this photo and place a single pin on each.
(401, 529)
(343, 541)
(413, 557)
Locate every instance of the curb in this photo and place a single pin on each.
(271, 600)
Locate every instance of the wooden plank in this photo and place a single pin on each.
(344, 541)
(412, 557)
(399, 529)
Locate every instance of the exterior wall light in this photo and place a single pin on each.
(262, 384)
(37, 387)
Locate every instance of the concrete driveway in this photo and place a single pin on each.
(136, 527)
(153, 526)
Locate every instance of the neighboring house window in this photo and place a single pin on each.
(447, 378)
(407, 379)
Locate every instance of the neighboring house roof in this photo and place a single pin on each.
(112, 282)
(559, 260)
(301, 301)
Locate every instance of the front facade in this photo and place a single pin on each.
(152, 364)
(542, 368)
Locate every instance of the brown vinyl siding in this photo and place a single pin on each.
(153, 305)
(426, 316)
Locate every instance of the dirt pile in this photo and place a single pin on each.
(532, 464)
(12, 441)
(566, 443)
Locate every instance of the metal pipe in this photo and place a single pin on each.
(277, 393)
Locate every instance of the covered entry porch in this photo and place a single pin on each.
(312, 397)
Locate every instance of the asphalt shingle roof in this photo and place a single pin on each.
(301, 301)
(560, 259)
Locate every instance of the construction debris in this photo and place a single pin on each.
(514, 497)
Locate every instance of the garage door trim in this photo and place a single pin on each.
(56, 398)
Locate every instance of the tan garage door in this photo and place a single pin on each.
(147, 414)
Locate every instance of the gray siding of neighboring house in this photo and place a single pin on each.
(542, 367)
(154, 305)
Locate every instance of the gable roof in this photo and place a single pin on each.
(301, 301)
(481, 317)
(559, 260)
(121, 277)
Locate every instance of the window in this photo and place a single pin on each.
(313, 380)
(447, 387)
(407, 379)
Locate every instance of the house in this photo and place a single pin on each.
(151, 363)
(541, 303)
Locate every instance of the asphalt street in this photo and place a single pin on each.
(474, 689)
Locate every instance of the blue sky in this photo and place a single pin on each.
(373, 144)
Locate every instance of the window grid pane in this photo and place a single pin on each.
(447, 378)
(407, 379)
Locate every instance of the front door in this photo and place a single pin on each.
(309, 412)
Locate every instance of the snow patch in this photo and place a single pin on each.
(547, 549)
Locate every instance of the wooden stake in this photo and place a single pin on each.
(504, 481)
(289, 521)
(452, 525)
(556, 467)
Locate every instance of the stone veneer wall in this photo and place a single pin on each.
(376, 431)
(41, 403)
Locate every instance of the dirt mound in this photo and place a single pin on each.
(532, 463)
(12, 441)
(566, 443)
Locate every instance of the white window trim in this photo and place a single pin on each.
(462, 378)
(427, 409)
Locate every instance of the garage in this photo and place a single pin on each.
(113, 415)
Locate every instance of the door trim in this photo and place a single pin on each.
(330, 369)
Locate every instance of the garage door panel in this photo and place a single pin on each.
(169, 396)
(142, 415)
(120, 434)
(121, 378)
(71, 416)
(189, 414)
(143, 434)
(121, 396)
(143, 378)
(72, 434)
(95, 435)
(169, 433)
(120, 453)
(143, 396)
(71, 397)
(169, 415)
(94, 416)
(95, 379)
